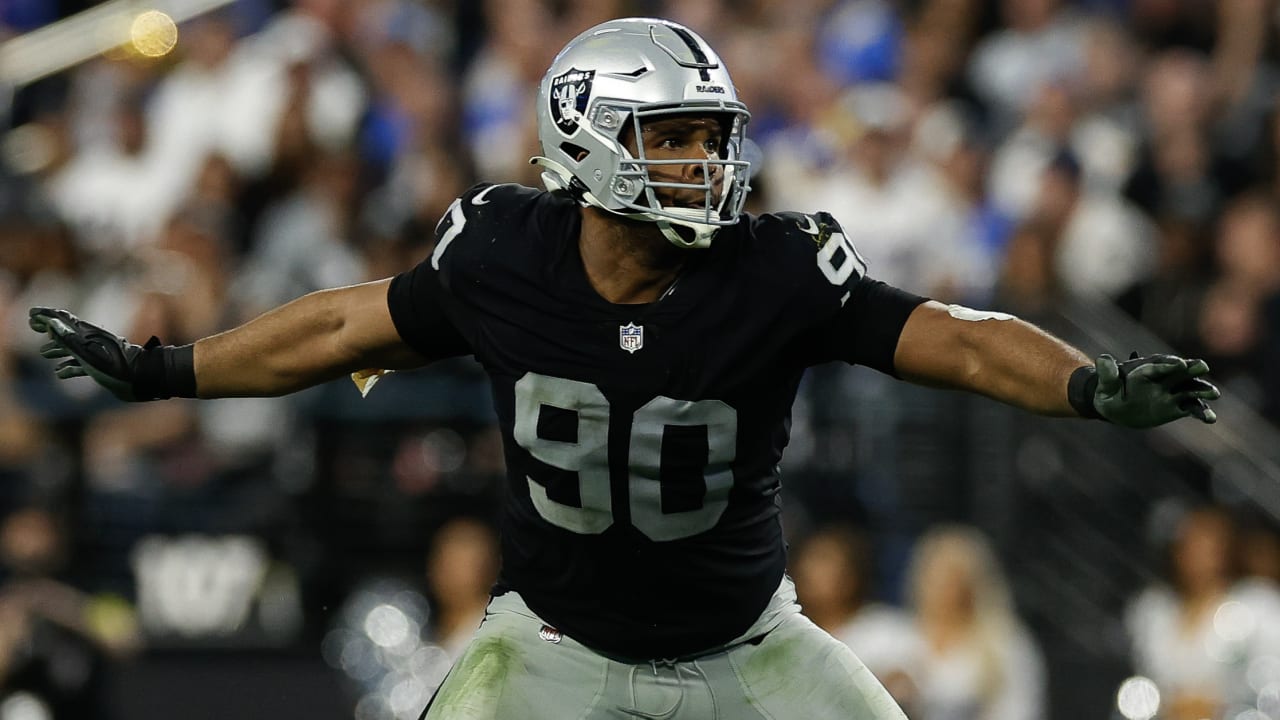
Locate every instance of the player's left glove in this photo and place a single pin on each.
(1143, 392)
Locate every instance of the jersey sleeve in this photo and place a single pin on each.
(852, 317)
(485, 245)
(424, 309)
(417, 304)
(866, 329)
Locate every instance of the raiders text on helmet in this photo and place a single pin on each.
(624, 73)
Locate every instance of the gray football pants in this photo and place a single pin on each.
(518, 668)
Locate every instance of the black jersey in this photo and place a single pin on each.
(642, 441)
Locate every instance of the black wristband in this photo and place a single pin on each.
(180, 370)
(1080, 391)
(164, 371)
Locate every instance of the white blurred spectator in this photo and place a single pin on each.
(1204, 637)
(1106, 135)
(259, 90)
(1104, 244)
(305, 241)
(894, 207)
(185, 118)
(1042, 43)
(833, 574)
(115, 195)
(977, 661)
(1021, 159)
(946, 137)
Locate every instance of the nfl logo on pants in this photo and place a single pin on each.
(631, 337)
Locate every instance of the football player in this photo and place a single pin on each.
(645, 339)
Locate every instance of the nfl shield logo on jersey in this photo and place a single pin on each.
(631, 337)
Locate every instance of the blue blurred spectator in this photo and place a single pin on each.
(860, 41)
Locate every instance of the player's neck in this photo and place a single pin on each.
(627, 262)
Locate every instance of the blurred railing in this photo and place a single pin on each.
(1082, 517)
(1080, 511)
(60, 45)
(1242, 449)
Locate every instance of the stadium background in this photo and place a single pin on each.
(1106, 168)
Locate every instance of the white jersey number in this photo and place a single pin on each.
(836, 267)
(456, 222)
(829, 255)
(683, 496)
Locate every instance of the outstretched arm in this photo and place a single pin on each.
(311, 340)
(1015, 362)
(1001, 357)
(318, 337)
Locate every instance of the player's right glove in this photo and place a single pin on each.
(1143, 392)
(129, 371)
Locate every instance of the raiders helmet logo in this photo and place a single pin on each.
(568, 98)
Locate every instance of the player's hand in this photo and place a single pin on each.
(1143, 392)
(89, 350)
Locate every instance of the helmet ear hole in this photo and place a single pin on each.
(577, 152)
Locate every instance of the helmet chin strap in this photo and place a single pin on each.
(670, 228)
(673, 235)
(558, 177)
(702, 232)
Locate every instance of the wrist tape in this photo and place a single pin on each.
(165, 371)
(1081, 388)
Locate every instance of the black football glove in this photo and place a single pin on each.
(1143, 392)
(130, 372)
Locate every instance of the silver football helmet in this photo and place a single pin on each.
(623, 73)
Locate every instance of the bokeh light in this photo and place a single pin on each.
(153, 34)
(1138, 699)
(387, 626)
(25, 706)
(1234, 621)
(1263, 671)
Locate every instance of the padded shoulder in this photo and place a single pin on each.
(488, 215)
(808, 243)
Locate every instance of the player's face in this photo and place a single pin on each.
(687, 137)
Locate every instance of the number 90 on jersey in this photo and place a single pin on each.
(679, 458)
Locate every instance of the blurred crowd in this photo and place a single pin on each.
(1008, 154)
(1204, 635)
